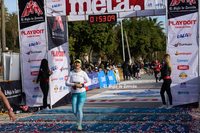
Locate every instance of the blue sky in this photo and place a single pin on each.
(12, 7)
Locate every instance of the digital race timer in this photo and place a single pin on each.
(104, 18)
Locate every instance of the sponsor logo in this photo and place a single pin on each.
(181, 60)
(58, 53)
(54, 68)
(182, 44)
(35, 80)
(31, 7)
(183, 75)
(33, 52)
(95, 80)
(36, 96)
(65, 77)
(182, 53)
(34, 73)
(183, 85)
(34, 44)
(102, 6)
(184, 35)
(183, 92)
(56, 88)
(58, 23)
(32, 33)
(60, 89)
(32, 67)
(59, 59)
(160, 4)
(63, 68)
(56, 5)
(53, 79)
(183, 24)
(34, 60)
(183, 67)
(103, 79)
(36, 89)
(177, 2)
(149, 4)
(29, 12)
(61, 78)
(65, 88)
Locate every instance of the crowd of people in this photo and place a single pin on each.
(130, 70)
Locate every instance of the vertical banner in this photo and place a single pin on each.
(33, 47)
(183, 48)
(58, 52)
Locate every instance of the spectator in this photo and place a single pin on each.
(125, 70)
(156, 69)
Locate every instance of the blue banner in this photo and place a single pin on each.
(94, 79)
(102, 79)
(111, 78)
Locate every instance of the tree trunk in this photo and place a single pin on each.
(90, 54)
(99, 60)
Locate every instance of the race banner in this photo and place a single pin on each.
(32, 46)
(58, 52)
(94, 79)
(183, 48)
(111, 78)
(78, 10)
(102, 79)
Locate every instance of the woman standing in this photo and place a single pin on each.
(76, 80)
(43, 77)
(166, 72)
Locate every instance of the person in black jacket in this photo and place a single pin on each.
(43, 77)
(165, 75)
(125, 70)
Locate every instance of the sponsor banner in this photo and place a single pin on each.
(57, 29)
(34, 45)
(58, 91)
(102, 79)
(111, 78)
(12, 90)
(185, 40)
(117, 77)
(83, 7)
(150, 4)
(78, 10)
(184, 86)
(94, 79)
(183, 52)
(189, 69)
(57, 49)
(33, 33)
(182, 6)
(183, 24)
(160, 4)
(56, 8)
(31, 12)
(185, 96)
(183, 76)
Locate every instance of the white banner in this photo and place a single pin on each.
(58, 54)
(183, 47)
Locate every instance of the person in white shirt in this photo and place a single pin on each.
(76, 80)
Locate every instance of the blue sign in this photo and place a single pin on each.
(102, 79)
(111, 78)
(94, 79)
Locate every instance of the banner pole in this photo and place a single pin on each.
(20, 47)
(122, 41)
(45, 9)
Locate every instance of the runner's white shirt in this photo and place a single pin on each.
(79, 78)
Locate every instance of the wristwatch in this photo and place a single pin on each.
(11, 109)
(83, 85)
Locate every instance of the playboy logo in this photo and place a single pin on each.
(30, 8)
(58, 23)
(177, 2)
